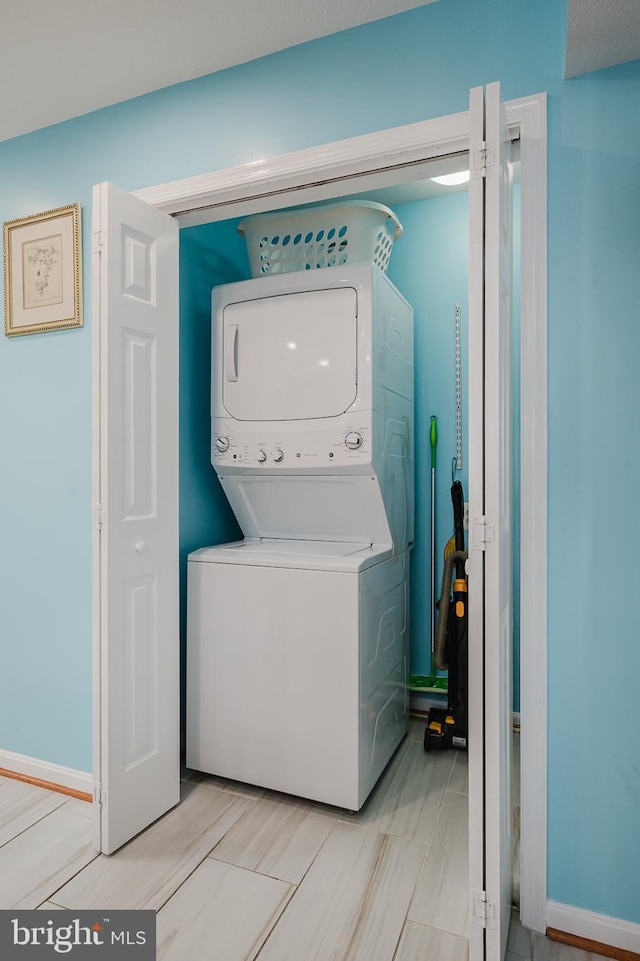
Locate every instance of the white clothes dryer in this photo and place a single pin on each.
(312, 405)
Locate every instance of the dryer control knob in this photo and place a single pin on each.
(261, 457)
(223, 444)
(278, 456)
(353, 440)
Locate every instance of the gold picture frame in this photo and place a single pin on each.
(43, 272)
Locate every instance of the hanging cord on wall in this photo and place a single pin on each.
(433, 440)
(458, 355)
(456, 463)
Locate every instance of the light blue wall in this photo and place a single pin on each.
(209, 255)
(594, 487)
(430, 267)
(45, 546)
(417, 65)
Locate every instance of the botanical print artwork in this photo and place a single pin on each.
(42, 271)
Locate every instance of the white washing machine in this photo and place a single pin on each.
(297, 665)
(297, 638)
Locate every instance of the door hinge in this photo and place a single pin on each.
(481, 532)
(483, 910)
(98, 241)
(482, 158)
(99, 796)
(98, 518)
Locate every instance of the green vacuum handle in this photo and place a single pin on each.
(433, 437)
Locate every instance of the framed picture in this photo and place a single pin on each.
(42, 272)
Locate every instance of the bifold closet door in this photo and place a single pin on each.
(498, 505)
(490, 561)
(136, 514)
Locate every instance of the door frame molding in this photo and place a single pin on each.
(316, 173)
(332, 170)
(531, 113)
(97, 469)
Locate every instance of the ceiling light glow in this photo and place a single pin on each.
(452, 180)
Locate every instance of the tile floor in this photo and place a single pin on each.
(525, 946)
(239, 873)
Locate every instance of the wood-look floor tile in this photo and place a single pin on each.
(221, 911)
(417, 726)
(309, 804)
(146, 871)
(50, 906)
(459, 780)
(275, 837)
(352, 902)
(35, 864)
(553, 951)
(541, 948)
(422, 943)
(441, 897)
(83, 808)
(21, 805)
(519, 940)
(408, 796)
(222, 784)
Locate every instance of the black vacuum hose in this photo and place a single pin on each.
(440, 653)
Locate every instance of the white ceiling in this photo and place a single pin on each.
(64, 58)
(61, 59)
(601, 33)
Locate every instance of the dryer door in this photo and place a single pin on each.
(290, 357)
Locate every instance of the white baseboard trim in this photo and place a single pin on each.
(421, 703)
(45, 771)
(593, 926)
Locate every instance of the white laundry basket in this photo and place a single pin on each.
(325, 236)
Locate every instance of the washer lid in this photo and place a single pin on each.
(303, 555)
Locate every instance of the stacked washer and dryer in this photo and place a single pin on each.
(298, 635)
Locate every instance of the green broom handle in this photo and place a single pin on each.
(433, 437)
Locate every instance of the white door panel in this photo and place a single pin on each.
(476, 509)
(138, 631)
(290, 357)
(490, 613)
(498, 507)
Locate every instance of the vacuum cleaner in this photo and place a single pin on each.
(447, 727)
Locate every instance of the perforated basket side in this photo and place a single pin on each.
(320, 237)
